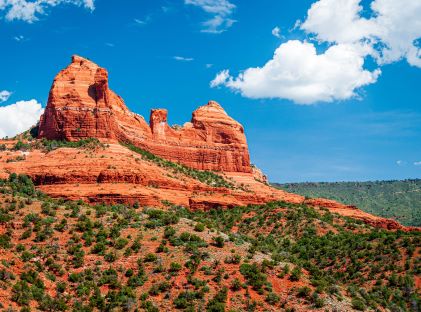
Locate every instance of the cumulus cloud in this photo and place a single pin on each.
(298, 73)
(417, 163)
(221, 11)
(19, 117)
(393, 29)
(28, 11)
(4, 95)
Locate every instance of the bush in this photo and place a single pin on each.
(236, 285)
(272, 298)
(199, 227)
(295, 274)
(358, 304)
(169, 232)
(61, 287)
(5, 241)
(175, 267)
(121, 243)
(150, 257)
(20, 146)
(303, 291)
(254, 275)
(219, 241)
(110, 257)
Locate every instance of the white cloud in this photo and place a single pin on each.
(220, 79)
(296, 72)
(144, 21)
(29, 11)
(392, 30)
(19, 117)
(221, 11)
(400, 163)
(217, 24)
(4, 95)
(183, 59)
(417, 163)
(276, 32)
(219, 7)
(140, 22)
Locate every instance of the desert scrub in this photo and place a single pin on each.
(90, 143)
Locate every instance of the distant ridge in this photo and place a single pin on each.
(396, 199)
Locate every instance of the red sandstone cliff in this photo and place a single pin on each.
(81, 105)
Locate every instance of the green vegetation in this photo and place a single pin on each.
(207, 177)
(90, 143)
(375, 266)
(100, 258)
(50, 145)
(399, 200)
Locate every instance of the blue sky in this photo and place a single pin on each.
(351, 111)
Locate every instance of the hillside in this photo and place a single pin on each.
(108, 172)
(399, 200)
(61, 255)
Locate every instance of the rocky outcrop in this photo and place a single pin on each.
(354, 212)
(115, 174)
(81, 105)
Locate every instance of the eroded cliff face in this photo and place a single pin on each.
(81, 105)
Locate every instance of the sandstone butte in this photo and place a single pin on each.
(81, 105)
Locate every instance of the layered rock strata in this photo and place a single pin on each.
(81, 105)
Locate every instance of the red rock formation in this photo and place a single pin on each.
(81, 105)
(354, 212)
(117, 175)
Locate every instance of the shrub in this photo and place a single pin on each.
(296, 274)
(219, 241)
(121, 243)
(235, 285)
(358, 304)
(175, 267)
(61, 287)
(150, 257)
(272, 298)
(303, 291)
(110, 257)
(254, 275)
(169, 232)
(199, 227)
